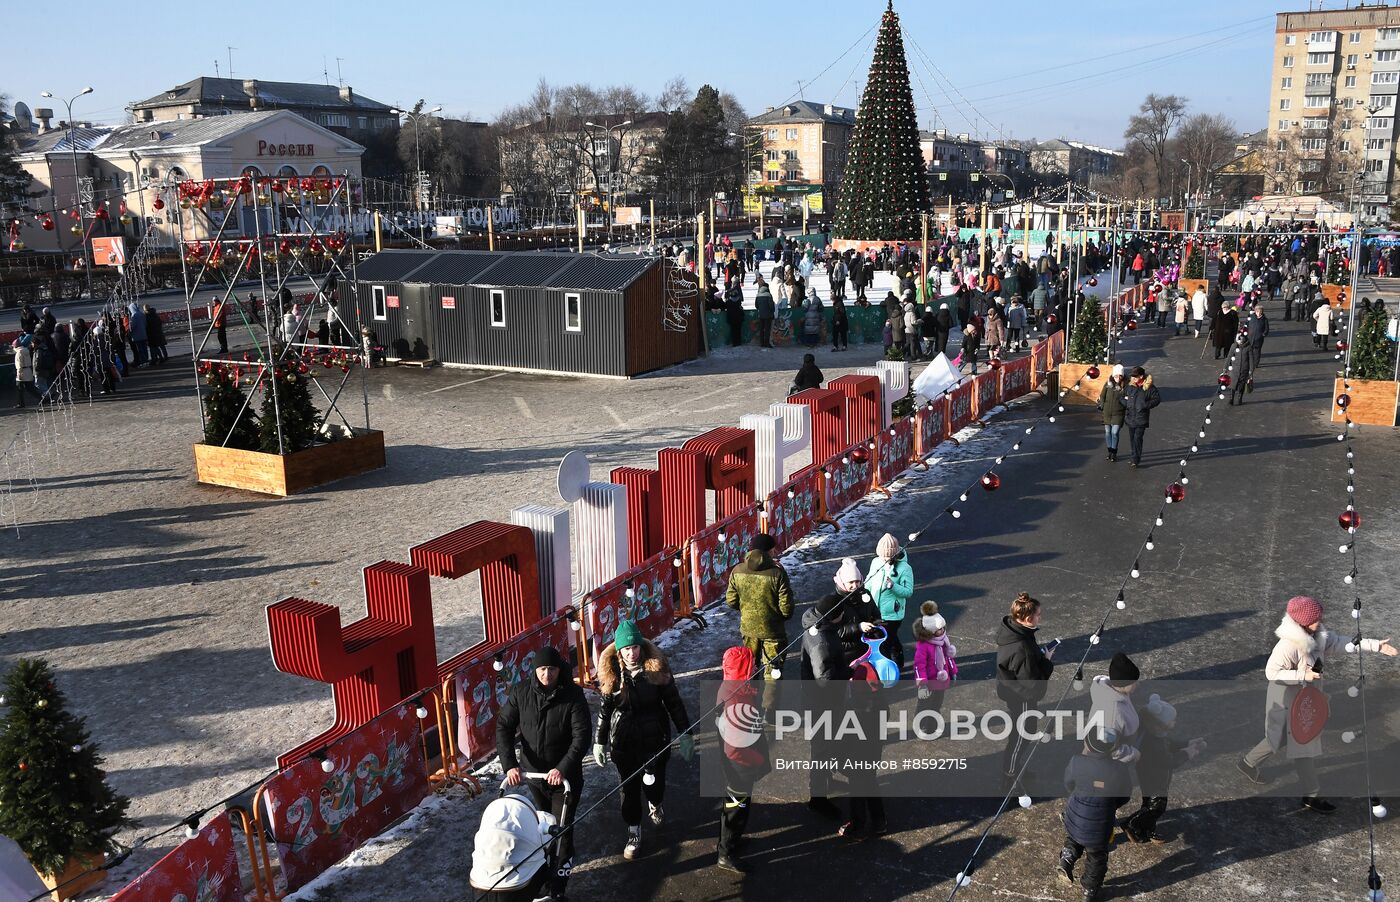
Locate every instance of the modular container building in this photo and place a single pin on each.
(598, 315)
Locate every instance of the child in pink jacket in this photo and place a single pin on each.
(933, 656)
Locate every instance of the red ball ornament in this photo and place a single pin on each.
(1176, 492)
(100, 213)
(1224, 380)
(276, 186)
(1343, 400)
(1349, 520)
(1092, 372)
(345, 367)
(1132, 325)
(994, 363)
(47, 224)
(1050, 319)
(1341, 344)
(308, 184)
(23, 766)
(158, 204)
(991, 482)
(860, 455)
(1093, 281)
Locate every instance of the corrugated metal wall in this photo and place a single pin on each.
(388, 331)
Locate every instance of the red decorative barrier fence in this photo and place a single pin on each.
(1015, 379)
(317, 817)
(1057, 348)
(931, 426)
(480, 687)
(712, 557)
(852, 476)
(1040, 362)
(985, 392)
(959, 407)
(651, 603)
(202, 869)
(793, 509)
(895, 450)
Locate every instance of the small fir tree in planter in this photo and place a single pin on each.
(224, 400)
(1090, 338)
(1372, 353)
(1195, 267)
(1230, 243)
(299, 414)
(1337, 273)
(54, 799)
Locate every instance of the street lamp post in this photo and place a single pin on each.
(417, 149)
(77, 198)
(608, 130)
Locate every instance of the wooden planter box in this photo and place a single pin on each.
(1088, 390)
(76, 865)
(1372, 401)
(278, 474)
(1333, 293)
(1190, 285)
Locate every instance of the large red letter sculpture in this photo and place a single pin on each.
(682, 494)
(728, 467)
(863, 403)
(828, 421)
(372, 664)
(643, 511)
(510, 587)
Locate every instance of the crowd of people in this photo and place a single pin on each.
(93, 356)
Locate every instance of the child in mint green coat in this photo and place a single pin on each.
(890, 583)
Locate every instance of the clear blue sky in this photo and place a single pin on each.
(1047, 70)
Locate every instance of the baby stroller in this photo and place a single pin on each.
(515, 851)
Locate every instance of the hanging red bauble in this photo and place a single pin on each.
(994, 363)
(100, 213)
(1092, 372)
(1224, 380)
(1176, 493)
(1050, 319)
(23, 766)
(158, 204)
(308, 184)
(1093, 281)
(1349, 520)
(1132, 325)
(47, 224)
(1343, 400)
(860, 455)
(284, 246)
(991, 482)
(276, 186)
(1341, 344)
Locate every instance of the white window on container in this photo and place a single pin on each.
(573, 313)
(377, 294)
(498, 309)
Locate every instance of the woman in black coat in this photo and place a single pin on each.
(943, 327)
(810, 376)
(1223, 330)
(734, 313)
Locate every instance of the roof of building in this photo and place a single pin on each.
(279, 93)
(505, 269)
(57, 140)
(191, 132)
(1065, 144)
(806, 111)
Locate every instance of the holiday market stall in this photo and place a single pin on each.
(597, 315)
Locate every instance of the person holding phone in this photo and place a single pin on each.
(1023, 673)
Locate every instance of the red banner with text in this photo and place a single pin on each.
(896, 448)
(481, 688)
(202, 869)
(793, 508)
(986, 386)
(852, 474)
(717, 549)
(1040, 362)
(959, 407)
(1015, 379)
(1057, 348)
(931, 426)
(651, 604)
(318, 817)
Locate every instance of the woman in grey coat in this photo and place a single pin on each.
(1297, 659)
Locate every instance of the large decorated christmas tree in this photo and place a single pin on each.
(885, 185)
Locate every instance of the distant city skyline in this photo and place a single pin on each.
(1077, 76)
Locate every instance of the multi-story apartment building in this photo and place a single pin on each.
(802, 149)
(339, 109)
(1336, 74)
(1079, 162)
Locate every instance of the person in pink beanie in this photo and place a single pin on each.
(1297, 661)
(934, 666)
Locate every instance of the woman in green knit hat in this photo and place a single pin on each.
(639, 703)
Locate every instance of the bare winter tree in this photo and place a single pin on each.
(1205, 142)
(1151, 130)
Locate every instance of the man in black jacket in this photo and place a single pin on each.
(549, 714)
(825, 671)
(1023, 672)
(1138, 400)
(1254, 338)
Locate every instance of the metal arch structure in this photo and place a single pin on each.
(301, 228)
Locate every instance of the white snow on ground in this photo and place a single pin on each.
(447, 824)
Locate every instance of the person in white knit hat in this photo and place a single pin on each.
(890, 583)
(861, 612)
(934, 667)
